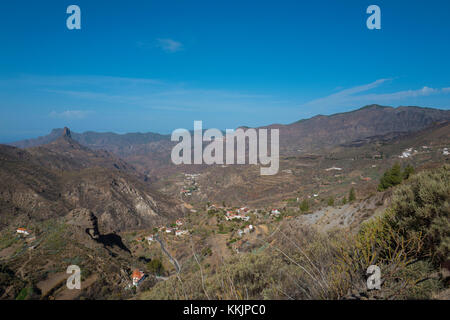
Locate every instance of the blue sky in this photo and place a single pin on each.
(160, 65)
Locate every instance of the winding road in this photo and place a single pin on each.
(172, 259)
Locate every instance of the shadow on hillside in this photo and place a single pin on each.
(110, 240)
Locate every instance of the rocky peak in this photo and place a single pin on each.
(66, 133)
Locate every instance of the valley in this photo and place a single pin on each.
(114, 204)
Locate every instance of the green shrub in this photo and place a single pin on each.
(394, 176)
(155, 266)
(330, 201)
(422, 207)
(408, 171)
(304, 206)
(351, 195)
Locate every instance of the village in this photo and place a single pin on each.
(165, 235)
(190, 184)
(227, 230)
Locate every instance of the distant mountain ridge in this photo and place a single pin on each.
(373, 120)
(94, 139)
(151, 151)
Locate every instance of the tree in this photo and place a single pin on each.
(304, 206)
(351, 195)
(408, 171)
(155, 266)
(391, 177)
(394, 176)
(331, 201)
(344, 200)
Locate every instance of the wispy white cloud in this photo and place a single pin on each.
(169, 45)
(70, 114)
(166, 96)
(359, 96)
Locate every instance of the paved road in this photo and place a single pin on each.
(172, 259)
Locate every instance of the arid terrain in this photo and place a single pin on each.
(114, 203)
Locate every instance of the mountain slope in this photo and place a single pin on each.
(51, 180)
(325, 131)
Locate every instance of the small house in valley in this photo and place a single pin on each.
(23, 231)
(137, 277)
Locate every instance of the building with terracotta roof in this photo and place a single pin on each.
(23, 231)
(137, 277)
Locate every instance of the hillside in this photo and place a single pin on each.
(329, 172)
(90, 207)
(323, 254)
(53, 179)
(325, 131)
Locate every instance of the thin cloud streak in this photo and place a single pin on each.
(169, 45)
(71, 114)
(357, 96)
(170, 97)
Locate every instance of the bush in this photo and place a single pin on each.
(351, 195)
(408, 171)
(331, 201)
(422, 207)
(155, 266)
(304, 206)
(300, 263)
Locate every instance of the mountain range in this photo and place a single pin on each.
(150, 152)
(93, 198)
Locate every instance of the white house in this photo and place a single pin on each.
(150, 238)
(233, 216)
(275, 212)
(179, 222)
(180, 233)
(242, 210)
(23, 231)
(333, 168)
(248, 229)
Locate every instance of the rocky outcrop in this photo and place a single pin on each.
(85, 220)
